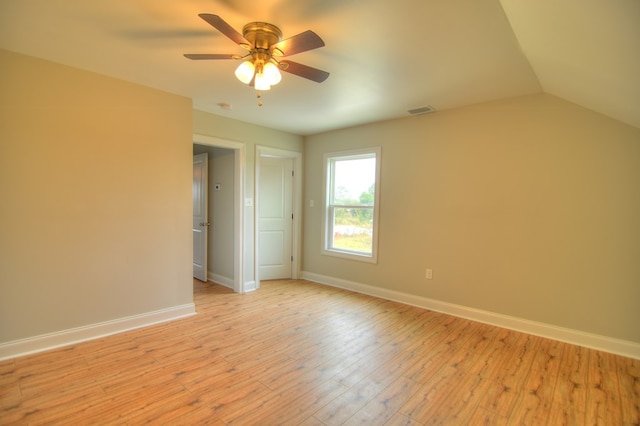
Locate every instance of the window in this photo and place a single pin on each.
(350, 226)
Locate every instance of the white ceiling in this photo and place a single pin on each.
(385, 57)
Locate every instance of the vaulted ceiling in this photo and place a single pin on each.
(385, 57)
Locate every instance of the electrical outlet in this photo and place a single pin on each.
(429, 274)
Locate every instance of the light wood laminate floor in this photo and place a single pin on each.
(298, 353)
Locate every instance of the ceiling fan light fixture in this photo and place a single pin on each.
(272, 73)
(262, 82)
(245, 72)
(264, 43)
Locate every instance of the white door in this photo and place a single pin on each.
(200, 216)
(275, 218)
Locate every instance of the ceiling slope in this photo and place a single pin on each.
(585, 51)
(384, 59)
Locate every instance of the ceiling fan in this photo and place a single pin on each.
(265, 46)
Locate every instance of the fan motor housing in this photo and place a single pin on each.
(262, 34)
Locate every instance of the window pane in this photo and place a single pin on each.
(350, 216)
(353, 229)
(354, 181)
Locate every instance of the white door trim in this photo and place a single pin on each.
(297, 206)
(238, 203)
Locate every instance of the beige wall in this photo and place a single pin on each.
(95, 184)
(250, 135)
(528, 207)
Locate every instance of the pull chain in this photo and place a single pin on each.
(259, 101)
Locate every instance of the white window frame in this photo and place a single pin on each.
(327, 225)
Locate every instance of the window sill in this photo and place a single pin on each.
(351, 256)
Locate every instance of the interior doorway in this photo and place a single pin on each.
(230, 229)
(200, 224)
(275, 217)
(278, 213)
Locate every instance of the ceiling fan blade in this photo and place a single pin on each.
(199, 56)
(302, 42)
(221, 25)
(304, 71)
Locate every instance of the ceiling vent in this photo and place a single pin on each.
(422, 110)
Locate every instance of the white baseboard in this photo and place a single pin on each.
(228, 282)
(580, 338)
(71, 336)
(220, 279)
(250, 286)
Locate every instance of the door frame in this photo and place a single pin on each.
(238, 203)
(296, 200)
